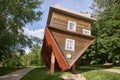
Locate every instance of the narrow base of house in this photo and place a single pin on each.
(74, 71)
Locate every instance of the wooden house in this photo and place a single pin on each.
(67, 36)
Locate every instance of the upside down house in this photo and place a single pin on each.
(67, 36)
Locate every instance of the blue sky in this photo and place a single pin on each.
(37, 28)
(76, 5)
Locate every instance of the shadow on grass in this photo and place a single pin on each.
(96, 67)
(82, 69)
(42, 73)
(102, 66)
(106, 66)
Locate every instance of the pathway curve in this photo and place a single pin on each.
(16, 75)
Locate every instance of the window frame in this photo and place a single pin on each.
(74, 27)
(86, 30)
(68, 44)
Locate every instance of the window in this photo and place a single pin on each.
(87, 32)
(71, 26)
(69, 44)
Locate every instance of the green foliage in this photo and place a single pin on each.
(14, 61)
(15, 14)
(106, 48)
(6, 70)
(33, 58)
(41, 74)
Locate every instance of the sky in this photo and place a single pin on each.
(37, 28)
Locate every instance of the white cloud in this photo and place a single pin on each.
(27, 50)
(35, 33)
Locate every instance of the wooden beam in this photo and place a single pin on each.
(52, 67)
(73, 68)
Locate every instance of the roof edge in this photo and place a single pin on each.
(75, 33)
(68, 12)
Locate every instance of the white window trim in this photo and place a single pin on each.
(88, 32)
(74, 27)
(73, 46)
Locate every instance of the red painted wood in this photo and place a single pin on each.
(49, 45)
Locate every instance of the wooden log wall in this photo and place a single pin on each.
(60, 21)
(80, 44)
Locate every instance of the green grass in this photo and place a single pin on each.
(101, 66)
(116, 67)
(101, 75)
(92, 74)
(6, 70)
(106, 66)
(41, 74)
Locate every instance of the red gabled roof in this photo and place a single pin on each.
(50, 45)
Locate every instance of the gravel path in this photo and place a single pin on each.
(16, 75)
(70, 76)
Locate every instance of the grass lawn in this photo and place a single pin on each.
(92, 74)
(101, 75)
(116, 67)
(41, 74)
(106, 66)
(101, 66)
(6, 70)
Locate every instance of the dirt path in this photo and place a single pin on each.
(16, 75)
(70, 76)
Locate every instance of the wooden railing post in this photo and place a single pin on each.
(52, 67)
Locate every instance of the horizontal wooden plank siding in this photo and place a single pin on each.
(60, 21)
(81, 43)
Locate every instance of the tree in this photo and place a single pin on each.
(33, 58)
(107, 31)
(15, 14)
(14, 61)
